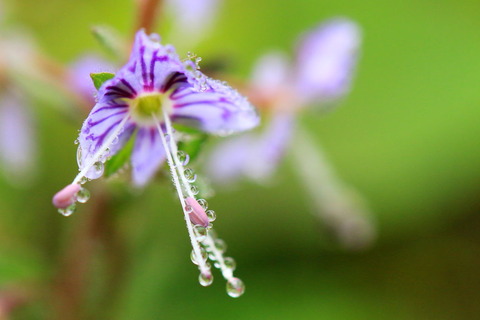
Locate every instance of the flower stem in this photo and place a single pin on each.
(147, 12)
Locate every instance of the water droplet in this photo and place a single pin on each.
(194, 190)
(83, 180)
(68, 210)
(203, 203)
(229, 263)
(83, 195)
(98, 167)
(235, 287)
(193, 256)
(190, 175)
(211, 215)
(205, 278)
(115, 140)
(200, 233)
(79, 156)
(183, 157)
(76, 141)
(220, 245)
(188, 208)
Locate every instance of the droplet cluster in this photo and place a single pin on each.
(212, 248)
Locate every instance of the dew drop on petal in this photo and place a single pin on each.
(79, 156)
(211, 215)
(205, 278)
(98, 168)
(235, 287)
(83, 195)
(200, 233)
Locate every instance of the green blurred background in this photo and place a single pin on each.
(406, 137)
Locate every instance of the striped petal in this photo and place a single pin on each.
(103, 121)
(147, 156)
(219, 109)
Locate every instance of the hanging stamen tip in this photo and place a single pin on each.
(66, 197)
(197, 214)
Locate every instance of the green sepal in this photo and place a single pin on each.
(100, 78)
(118, 161)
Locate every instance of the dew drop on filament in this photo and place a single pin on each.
(235, 287)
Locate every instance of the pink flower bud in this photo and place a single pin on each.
(66, 197)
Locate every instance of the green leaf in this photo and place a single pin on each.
(193, 145)
(100, 78)
(117, 162)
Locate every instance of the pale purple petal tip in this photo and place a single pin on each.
(66, 197)
(326, 59)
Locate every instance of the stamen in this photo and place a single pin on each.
(204, 269)
(66, 197)
(198, 214)
(99, 157)
(215, 247)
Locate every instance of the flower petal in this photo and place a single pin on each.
(150, 64)
(251, 155)
(103, 120)
(219, 109)
(326, 57)
(148, 154)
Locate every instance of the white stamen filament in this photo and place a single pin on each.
(100, 152)
(210, 243)
(172, 159)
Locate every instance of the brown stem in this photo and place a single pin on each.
(147, 14)
(71, 285)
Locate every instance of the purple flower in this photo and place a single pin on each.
(325, 60)
(153, 86)
(142, 101)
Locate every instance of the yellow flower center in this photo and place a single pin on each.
(144, 106)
